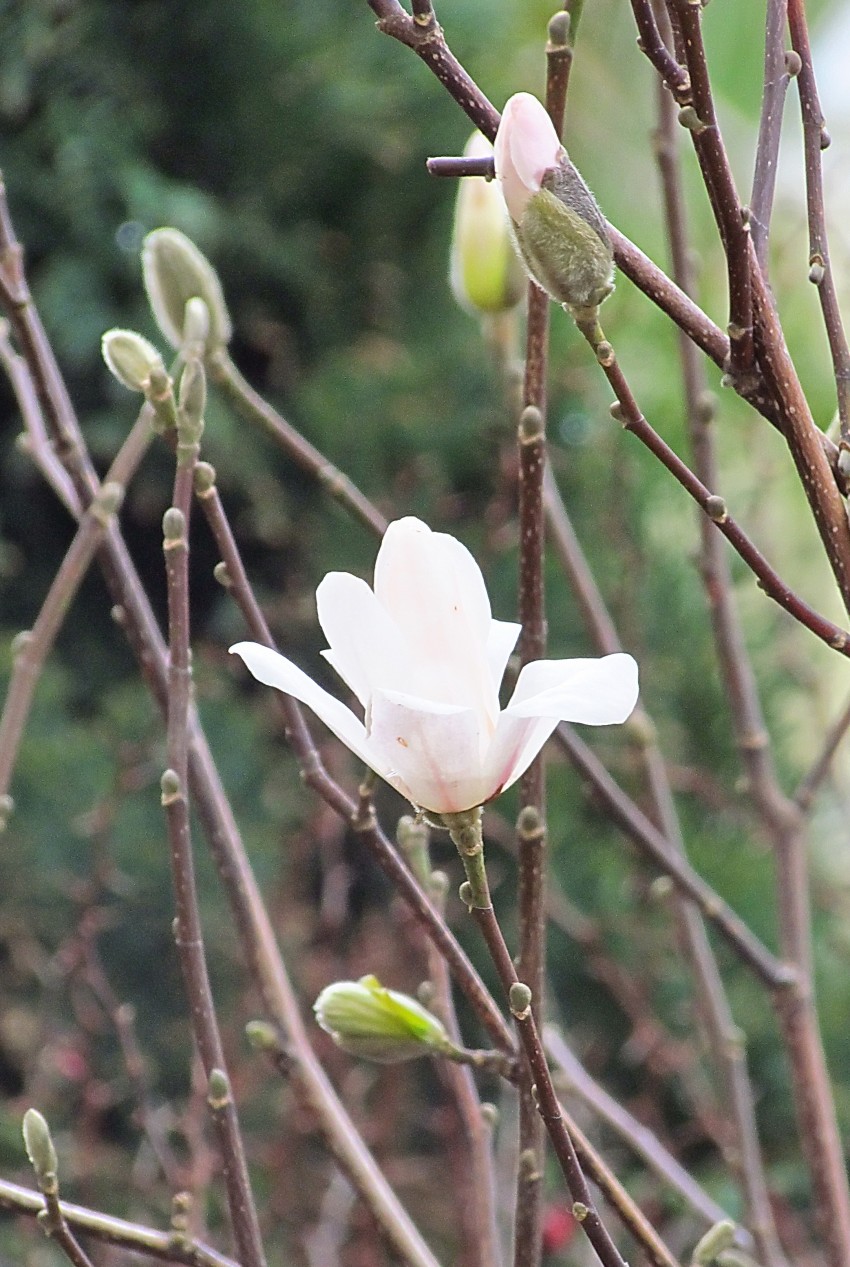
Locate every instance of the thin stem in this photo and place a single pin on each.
(639, 1138)
(810, 784)
(465, 830)
(36, 644)
(56, 1226)
(253, 407)
(166, 1246)
(628, 413)
(716, 573)
(476, 1201)
(188, 930)
(776, 80)
(742, 1149)
(772, 972)
(133, 613)
(732, 223)
(816, 139)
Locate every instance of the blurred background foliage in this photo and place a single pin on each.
(289, 140)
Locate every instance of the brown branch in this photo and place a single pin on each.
(816, 139)
(739, 680)
(778, 69)
(252, 406)
(133, 613)
(811, 782)
(166, 1246)
(639, 1138)
(188, 930)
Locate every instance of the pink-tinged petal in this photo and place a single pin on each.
(273, 669)
(432, 750)
(366, 647)
(434, 591)
(500, 643)
(594, 692)
(526, 147)
(515, 744)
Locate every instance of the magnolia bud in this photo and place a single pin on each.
(174, 272)
(131, 358)
(559, 230)
(485, 275)
(367, 1020)
(39, 1144)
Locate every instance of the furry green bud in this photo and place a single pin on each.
(131, 358)
(175, 271)
(559, 230)
(365, 1019)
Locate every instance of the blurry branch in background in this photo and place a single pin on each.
(134, 615)
(169, 1247)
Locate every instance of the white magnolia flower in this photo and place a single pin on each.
(425, 658)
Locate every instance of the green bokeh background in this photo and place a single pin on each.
(289, 141)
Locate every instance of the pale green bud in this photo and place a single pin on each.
(717, 1239)
(365, 1019)
(39, 1144)
(131, 358)
(564, 241)
(485, 275)
(175, 271)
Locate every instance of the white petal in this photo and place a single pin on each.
(432, 750)
(273, 669)
(526, 146)
(366, 647)
(500, 643)
(595, 692)
(434, 591)
(515, 744)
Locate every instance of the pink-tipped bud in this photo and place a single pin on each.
(527, 146)
(559, 230)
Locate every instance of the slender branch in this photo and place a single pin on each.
(731, 220)
(547, 1100)
(816, 139)
(476, 1198)
(639, 1138)
(778, 68)
(253, 407)
(626, 411)
(133, 612)
(33, 440)
(771, 971)
(166, 1246)
(54, 1224)
(188, 930)
(811, 782)
(35, 645)
(741, 1150)
(738, 676)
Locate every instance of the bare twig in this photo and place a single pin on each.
(816, 139)
(639, 1138)
(249, 403)
(35, 645)
(188, 930)
(166, 1246)
(777, 76)
(716, 574)
(811, 782)
(134, 614)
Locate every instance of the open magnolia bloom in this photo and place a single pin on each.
(425, 658)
